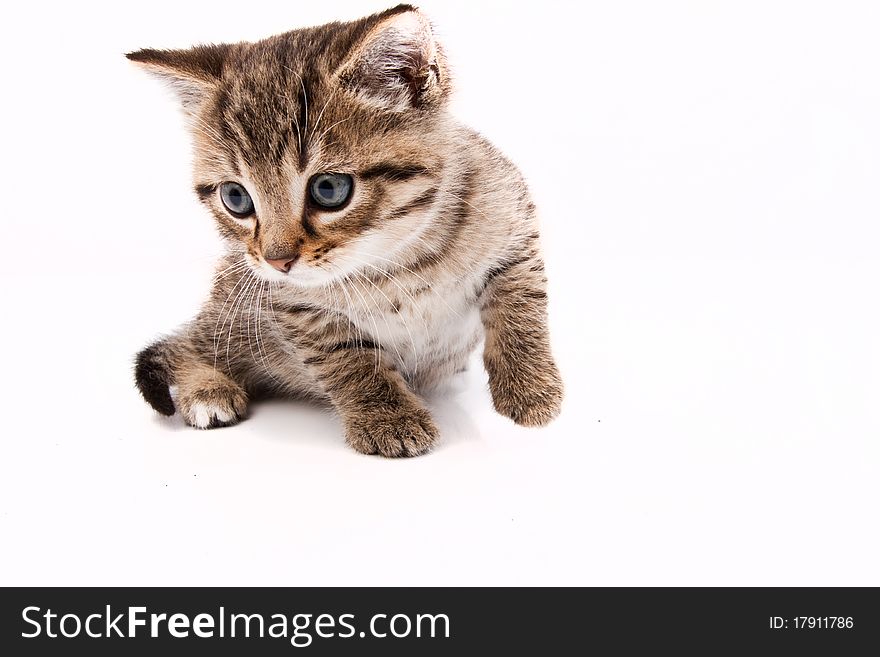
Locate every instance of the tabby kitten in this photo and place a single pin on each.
(372, 239)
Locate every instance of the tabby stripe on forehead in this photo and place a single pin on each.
(303, 121)
(396, 172)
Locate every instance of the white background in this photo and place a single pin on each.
(707, 175)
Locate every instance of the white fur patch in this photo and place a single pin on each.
(201, 415)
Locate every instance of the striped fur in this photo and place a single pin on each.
(388, 296)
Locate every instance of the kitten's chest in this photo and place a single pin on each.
(417, 326)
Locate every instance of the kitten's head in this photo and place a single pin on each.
(319, 151)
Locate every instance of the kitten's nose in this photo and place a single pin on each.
(284, 263)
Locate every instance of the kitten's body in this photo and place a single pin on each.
(436, 249)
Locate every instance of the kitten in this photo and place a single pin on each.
(372, 240)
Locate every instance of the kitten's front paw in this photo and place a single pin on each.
(392, 432)
(212, 407)
(532, 401)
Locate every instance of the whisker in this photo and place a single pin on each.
(321, 137)
(384, 317)
(306, 105)
(291, 104)
(218, 327)
(376, 335)
(274, 317)
(305, 128)
(261, 342)
(349, 305)
(429, 286)
(229, 271)
(321, 115)
(248, 316)
(236, 305)
(390, 303)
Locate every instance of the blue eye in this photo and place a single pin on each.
(236, 199)
(331, 190)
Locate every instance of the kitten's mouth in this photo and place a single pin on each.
(264, 269)
(292, 271)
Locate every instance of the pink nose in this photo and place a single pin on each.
(282, 264)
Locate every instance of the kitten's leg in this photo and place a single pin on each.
(380, 413)
(206, 397)
(523, 378)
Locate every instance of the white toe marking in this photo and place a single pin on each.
(201, 415)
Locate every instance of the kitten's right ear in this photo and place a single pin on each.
(397, 64)
(192, 73)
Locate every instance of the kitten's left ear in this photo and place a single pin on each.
(192, 73)
(397, 65)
